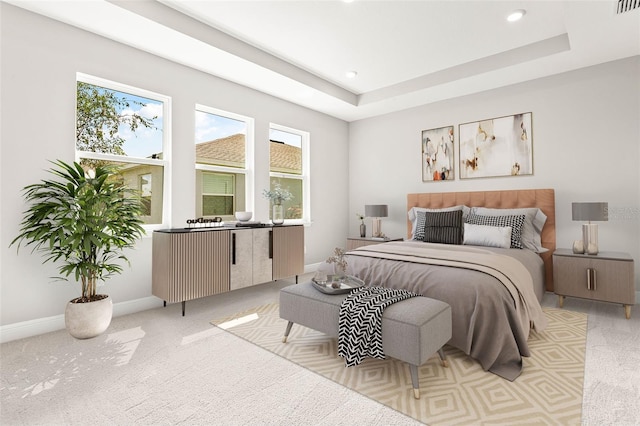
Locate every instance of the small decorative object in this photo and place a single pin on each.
(339, 261)
(589, 212)
(437, 154)
(277, 214)
(578, 247)
(244, 216)
(376, 211)
(363, 227)
(483, 143)
(277, 195)
(321, 278)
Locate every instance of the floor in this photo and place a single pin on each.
(157, 367)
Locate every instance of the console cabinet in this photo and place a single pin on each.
(190, 264)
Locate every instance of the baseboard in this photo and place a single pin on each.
(39, 326)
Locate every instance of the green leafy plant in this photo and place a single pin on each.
(278, 194)
(84, 219)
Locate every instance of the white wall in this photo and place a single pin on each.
(40, 58)
(586, 146)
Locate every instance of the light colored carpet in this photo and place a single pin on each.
(549, 391)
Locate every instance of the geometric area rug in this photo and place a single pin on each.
(549, 390)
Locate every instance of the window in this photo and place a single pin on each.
(128, 127)
(289, 167)
(224, 162)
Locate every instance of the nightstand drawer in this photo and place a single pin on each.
(355, 242)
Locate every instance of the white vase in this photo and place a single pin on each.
(87, 320)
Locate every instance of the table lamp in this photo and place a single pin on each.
(376, 211)
(590, 212)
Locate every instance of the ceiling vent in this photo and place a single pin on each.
(627, 6)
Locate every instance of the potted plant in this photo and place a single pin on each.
(339, 262)
(83, 220)
(277, 195)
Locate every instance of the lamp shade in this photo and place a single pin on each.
(590, 211)
(376, 210)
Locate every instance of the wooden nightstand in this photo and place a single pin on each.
(606, 277)
(355, 242)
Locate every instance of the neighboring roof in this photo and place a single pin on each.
(230, 151)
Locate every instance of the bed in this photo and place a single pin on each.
(492, 276)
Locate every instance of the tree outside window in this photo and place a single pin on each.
(116, 124)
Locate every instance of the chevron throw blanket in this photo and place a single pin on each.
(360, 323)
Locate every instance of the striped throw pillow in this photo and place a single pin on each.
(439, 227)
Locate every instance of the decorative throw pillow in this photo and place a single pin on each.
(531, 230)
(413, 215)
(515, 222)
(490, 236)
(439, 227)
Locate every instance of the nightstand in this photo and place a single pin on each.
(606, 277)
(355, 242)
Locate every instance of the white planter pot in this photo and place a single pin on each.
(87, 320)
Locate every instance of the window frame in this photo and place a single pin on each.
(305, 176)
(165, 162)
(249, 165)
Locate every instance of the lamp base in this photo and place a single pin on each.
(590, 238)
(376, 227)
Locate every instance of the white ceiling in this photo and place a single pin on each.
(406, 53)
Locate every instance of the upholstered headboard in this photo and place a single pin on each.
(544, 199)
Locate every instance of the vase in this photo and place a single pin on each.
(277, 214)
(363, 230)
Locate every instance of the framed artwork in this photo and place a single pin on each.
(437, 154)
(497, 147)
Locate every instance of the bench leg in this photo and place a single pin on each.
(287, 331)
(443, 358)
(415, 381)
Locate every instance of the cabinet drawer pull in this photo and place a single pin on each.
(591, 279)
(233, 248)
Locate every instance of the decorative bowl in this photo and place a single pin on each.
(244, 216)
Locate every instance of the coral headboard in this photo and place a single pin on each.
(544, 199)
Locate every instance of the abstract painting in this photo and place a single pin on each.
(496, 147)
(437, 154)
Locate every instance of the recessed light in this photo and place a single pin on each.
(516, 15)
(352, 74)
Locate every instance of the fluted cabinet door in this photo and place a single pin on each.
(288, 251)
(190, 265)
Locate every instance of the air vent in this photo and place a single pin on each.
(627, 6)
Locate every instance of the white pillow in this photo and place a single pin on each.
(413, 217)
(485, 235)
(531, 230)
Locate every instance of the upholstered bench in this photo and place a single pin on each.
(412, 329)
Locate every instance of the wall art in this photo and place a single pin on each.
(438, 154)
(496, 147)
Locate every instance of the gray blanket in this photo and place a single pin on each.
(490, 318)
